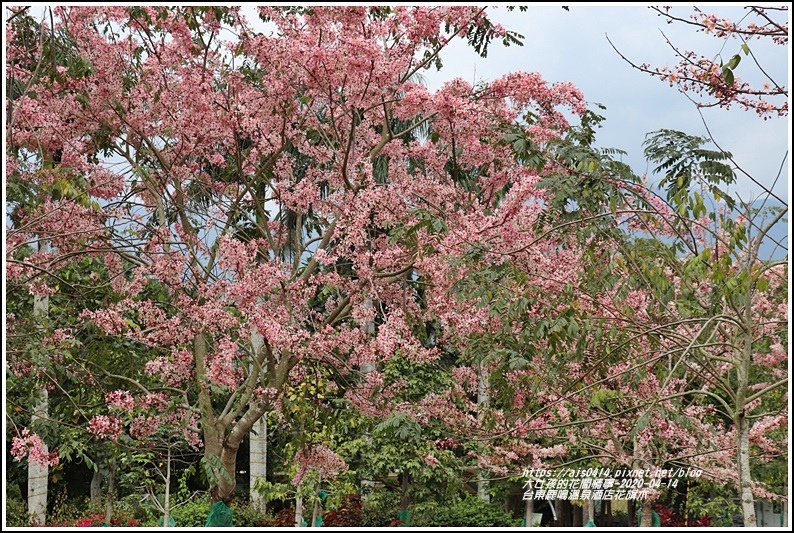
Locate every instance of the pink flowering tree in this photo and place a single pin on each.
(264, 197)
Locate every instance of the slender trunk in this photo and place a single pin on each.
(315, 513)
(298, 510)
(258, 462)
(529, 509)
(631, 513)
(367, 485)
(483, 400)
(647, 514)
(38, 474)
(590, 511)
(404, 485)
(257, 446)
(742, 424)
(111, 490)
(96, 487)
(606, 513)
(167, 498)
(745, 479)
(577, 516)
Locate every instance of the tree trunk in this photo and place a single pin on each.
(258, 462)
(111, 490)
(315, 513)
(590, 511)
(404, 485)
(606, 513)
(96, 487)
(647, 514)
(745, 479)
(227, 453)
(38, 474)
(529, 509)
(257, 457)
(367, 485)
(577, 516)
(167, 497)
(483, 400)
(298, 510)
(632, 514)
(223, 435)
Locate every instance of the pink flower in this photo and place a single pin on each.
(120, 400)
(106, 427)
(31, 446)
(319, 458)
(430, 460)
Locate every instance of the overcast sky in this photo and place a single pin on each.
(572, 46)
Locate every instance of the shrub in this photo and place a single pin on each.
(283, 518)
(245, 514)
(348, 514)
(380, 509)
(470, 512)
(16, 513)
(192, 514)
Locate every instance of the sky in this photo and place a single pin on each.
(572, 46)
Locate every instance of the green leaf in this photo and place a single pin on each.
(727, 75)
(734, 61)
(745, 49)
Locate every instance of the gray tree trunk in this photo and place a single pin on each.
(111, 490)
(298, 510)
(167, 497)
(257, 446)
(745, 479)
(483, 400)
(647, 514)
(37, 474)
(367, 485)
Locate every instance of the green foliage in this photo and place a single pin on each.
(16, 512)
(468, 512)
(684, 161)
(213, 471)
(247, 515)
(134, 507)
(192, 514)
(272, 491)
(380, 509)
(705, 498)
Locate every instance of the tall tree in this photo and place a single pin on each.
(250, 202)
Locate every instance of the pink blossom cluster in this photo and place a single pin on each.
(31, 446)
(319, 458)
(120, 400)
(106, 427)
(174, 370)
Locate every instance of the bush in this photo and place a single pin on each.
(348, 514)
(16, 513)
(67, 511)
(283, 518)
(192, 514)
(144, 513)
(469, 512)
(380, 509)
(245, 514)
